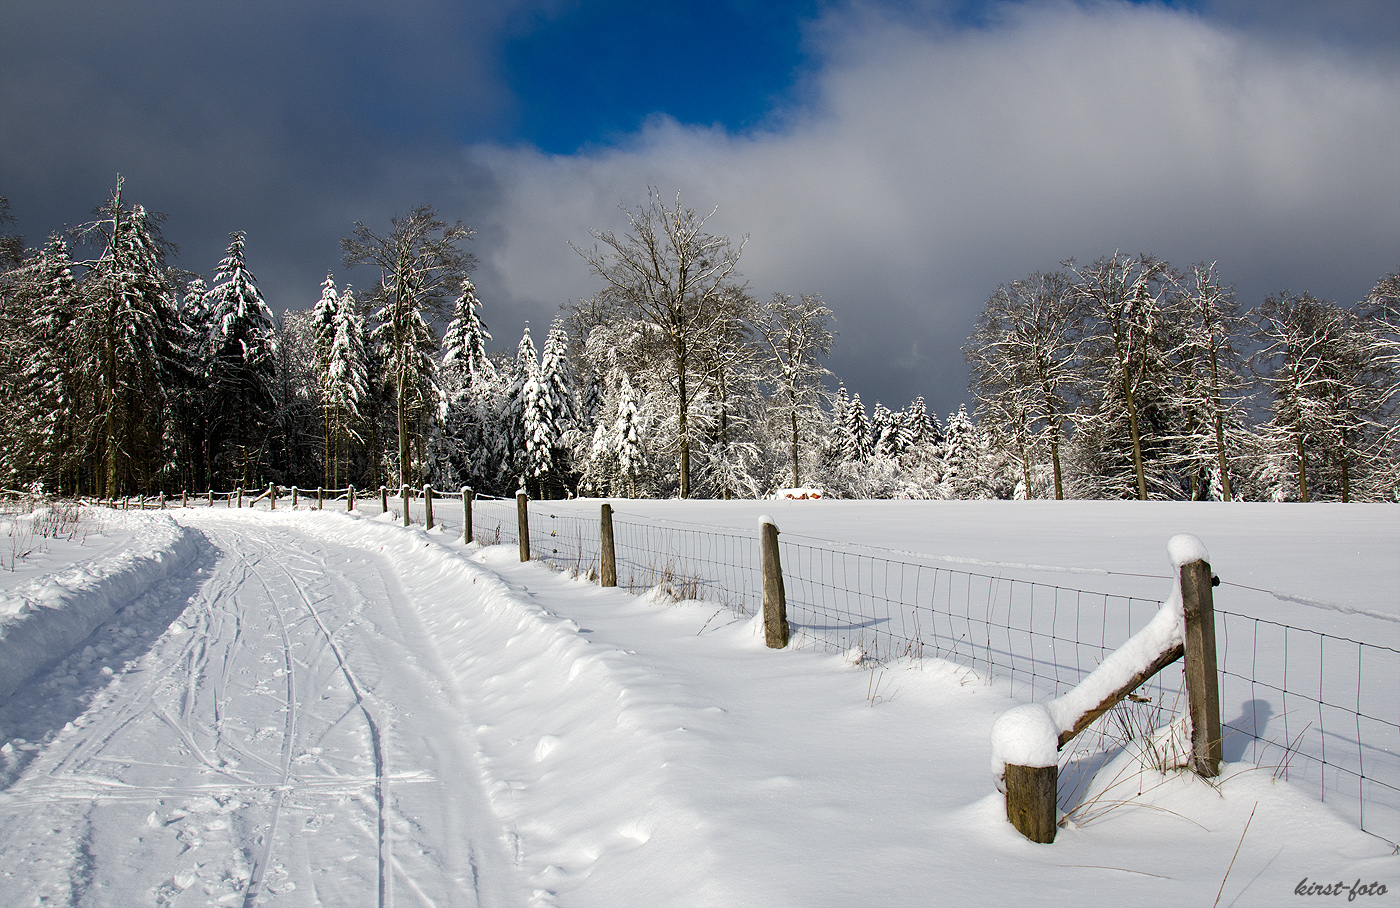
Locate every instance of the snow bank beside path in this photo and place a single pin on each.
(45, 617)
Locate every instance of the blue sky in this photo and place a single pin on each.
(901, 159)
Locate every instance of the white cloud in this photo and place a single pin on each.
(929, 165)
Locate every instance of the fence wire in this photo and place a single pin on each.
(1320, 711)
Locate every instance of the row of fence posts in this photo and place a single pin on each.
(1031, 791)
(776, 630)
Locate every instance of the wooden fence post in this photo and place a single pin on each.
(1031, 793)
(428, 506)
(467, 496)
(162, 499)
(403, 494)
(607, 550)
(240, 498)
(1202, 676)
(522, 519)
(272, 496)
(294, 498)
(184, 498)
(211, 496)
(384, 499)
(775, 624)
(349, 498)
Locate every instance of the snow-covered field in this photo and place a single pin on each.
(301, 708)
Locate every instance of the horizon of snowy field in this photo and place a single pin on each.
(640, 752)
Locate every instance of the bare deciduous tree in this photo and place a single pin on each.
(1025, 358)
(668, 272)
(795, 333)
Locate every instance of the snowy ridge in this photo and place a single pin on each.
(58, 611)
(551, 713)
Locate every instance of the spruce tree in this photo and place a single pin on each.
(242, 365)
(125, 351)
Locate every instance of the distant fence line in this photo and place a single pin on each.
(1320, 710)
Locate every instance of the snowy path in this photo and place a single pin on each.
(289, 736)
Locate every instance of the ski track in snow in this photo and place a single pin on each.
(269, 744)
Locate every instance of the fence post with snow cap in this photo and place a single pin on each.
(1026, 739)
(1202, 677)
(428, 506)
(607, 550)
(522, 518)
(467, 496)
(776, 630)
(349, 498)
(295, 490)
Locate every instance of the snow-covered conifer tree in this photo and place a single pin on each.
(464, 345)
(626, 441)
(345, 385)
(242, 363)
(125, 350)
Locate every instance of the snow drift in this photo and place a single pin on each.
(50, 615)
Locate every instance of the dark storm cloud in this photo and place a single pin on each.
(287, 120)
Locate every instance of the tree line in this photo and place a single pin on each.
(1124, 378)
(1128, 378)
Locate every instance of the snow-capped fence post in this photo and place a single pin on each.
(320, 498)
(294, 498)
(1202, 675)
(776, 631)
(162, 499)
(403, 496)
(211, 496)
(467, 496)
(607, 552)
(272, 496)
(522, 518)
(428, 506)
(184, 498)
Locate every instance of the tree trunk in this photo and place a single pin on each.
(1219, 425)
(796, 476)
(1346, 470)
(1138, 472)
(683, 424)
(1302, 470)
(402, 413)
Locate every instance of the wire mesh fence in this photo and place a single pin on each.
(1318, 710)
